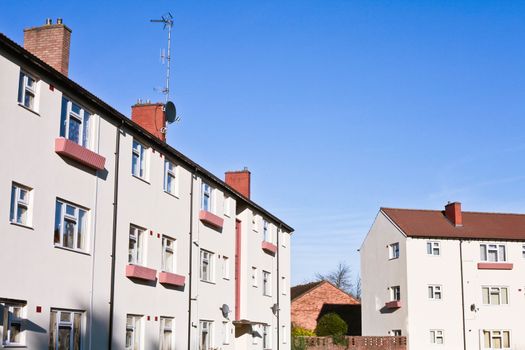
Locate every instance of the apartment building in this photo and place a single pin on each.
(446, 279)
(112, 239)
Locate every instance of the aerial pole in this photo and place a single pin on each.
(168, 23)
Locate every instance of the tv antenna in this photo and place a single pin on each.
(167, 19)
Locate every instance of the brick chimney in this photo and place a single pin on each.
(453, 213)
(50, 43)
(151, 117)
(239, 181)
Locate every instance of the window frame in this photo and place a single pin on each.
(267, 236)
(170, 330)
(209, 276)
(396, 332)
(9, 319)
(77, 221)
(393, 251)
(84, 117)
(495, 290)
(139, 151)
(61, 324)
(226, 340)
(16, 202)
(267, 283)
(487, 248)
(225, 267)
(433, 290)
(435, 335)
(137, 336)
(493, 336)
(395, 293)
(432, 247)
(25, 89)
(208, 325)
(255, 276)
(170, 172)
(136, 255)
(166, 249)
(267, 337)
(207, 191)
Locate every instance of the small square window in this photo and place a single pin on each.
(395, 293)
(434, 292)
(71, 226)
(436, 336)
(393, 251)
(433, 248)
(27, 91)
(21, 205)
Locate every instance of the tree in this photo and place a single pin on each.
(331, 324)
(357, 288)
(341, 277)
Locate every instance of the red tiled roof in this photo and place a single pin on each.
(297, 291)
(433, 223)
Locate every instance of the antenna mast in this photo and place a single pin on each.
(168, 23)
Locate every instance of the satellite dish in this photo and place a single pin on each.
(225, 310)
(275, 308)
(171, 112)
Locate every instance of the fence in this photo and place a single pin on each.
(350, 343)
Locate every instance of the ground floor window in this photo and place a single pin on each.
(267, 337)
(496, 339)
(206, 334)
(133, 332)
(65, 329)
(166, 333)
(13, 332)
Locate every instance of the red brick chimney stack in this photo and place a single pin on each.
(151, 117)
(239, 181)
(453, 213)
(50, 43)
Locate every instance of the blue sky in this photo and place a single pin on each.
(337, 107)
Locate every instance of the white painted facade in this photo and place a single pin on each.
(460, 282)
(42, 279)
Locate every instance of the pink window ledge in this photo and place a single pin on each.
(211, 219)
(74, 151)
(495, 266)
(172, 279)
(269, 247)
(141, 272)
(395, 304)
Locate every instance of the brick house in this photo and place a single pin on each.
(312, 300)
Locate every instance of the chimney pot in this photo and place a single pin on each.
(239, 181)
(453, 213)
(59, 20)
(49, 21)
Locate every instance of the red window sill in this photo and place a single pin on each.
(71, 150)
(172, 279)
(269, 247)
(141, 272)
(211, 219)
(396, 304)
(495, 266)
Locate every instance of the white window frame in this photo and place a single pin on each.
(84, 117)
(284, 287)
(207, 192)
(502, 293)
(225, 267)
(255, 276)
(207, 259)
(227, 206)
(267, 337)
(208, 326)
(495, 334)
(395, 293)
(170, 172)
(9, 319)
(255, 222)
(267, 235)
(487, 248)
(284, 334)
(61, 324)
(136, 255)
(135, 327)
(436, 335)
(140, 152)
(393, 251)
(267, 283)
(170, 329)
(226, 329)
(169, 245)
(74, 219)
(433, 248)
(435, 292)
(25, 89)
(17, 202)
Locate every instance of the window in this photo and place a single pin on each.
(75, 123)
(225, 267)
(168, 254)
(266, 232)
(433, 248)
(169, 177)
(13, 324)
(495, 295)
(227, 206)
(71, 226)
(492, 252)
(206, 200)
(206, 333)
(396, 332)
(434, 292)
(267, 337)
(20, 212)
(395, 293)
(166, 333)
(255, 225)
(138, 161)
(436, 336)
(496, 339)
(284, 334)
(267, 283)
(135, 246)
(254, 276)
(284, 287)
(206, 266)
(523, 251)
(27, 91)
(133, 332)
(226, 332)
(393, 251)
(65, 329)
(284, 238)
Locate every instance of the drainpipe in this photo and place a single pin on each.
(278, 287)
(190, 274)
(462, 294)
(114, 239)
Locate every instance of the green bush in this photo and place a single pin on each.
(331, 324)
(302, 332)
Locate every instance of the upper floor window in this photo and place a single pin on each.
(393, 251)
(206, 200)
(492, 252)
(436, 336)
(226, 326)
(27, 91)
(496, 339)
(495, 295)
(166, 333)
(13, 324)
(434, 292)
(133, 332)
(254, 276)
(523, 250)
(396, 332)
(267, 283)
(225, 267)
(395, 293)
(65, 329)
(206, 266)
(433, 248)
(20, 212)
(138, 161)
(227, 206)
(71, 226)
(135, 245)
(284, 238)
(75, 123)
(168, 254)
(169, 177)
(266, 232)
(284, 285)
(267, 337)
